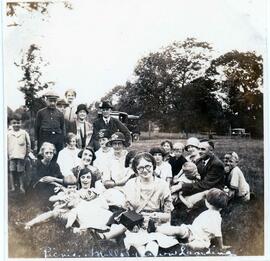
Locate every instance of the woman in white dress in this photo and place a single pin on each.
(149, 196)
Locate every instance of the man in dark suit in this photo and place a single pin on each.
(111, 124)
(211, 169)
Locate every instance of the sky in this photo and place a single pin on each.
(96, 45)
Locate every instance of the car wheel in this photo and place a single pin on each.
(136, 137)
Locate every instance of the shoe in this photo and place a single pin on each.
(252, 196)
(149, 254)
(133, 252)
(22, 190)
(96, 235)
(151, 226)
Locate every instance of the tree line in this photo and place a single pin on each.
(182, 87)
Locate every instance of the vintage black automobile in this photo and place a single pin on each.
(240, 132)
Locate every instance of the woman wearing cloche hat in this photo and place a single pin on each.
(81, 127)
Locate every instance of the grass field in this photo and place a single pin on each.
(243, 223)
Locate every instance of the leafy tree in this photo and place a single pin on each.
(239, 77)
(159, 76)
(188, 60)
(32, 83)
(12, 9)
(198, 108)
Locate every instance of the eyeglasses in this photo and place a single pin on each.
(147, 167)
(116, 143)
(202, 149)
(85, 177)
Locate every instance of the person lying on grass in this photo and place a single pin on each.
(82, 205)
(237, 185)
(64, 201)
(188, 174)
(206, 227)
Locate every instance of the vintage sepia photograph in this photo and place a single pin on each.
(135, 128)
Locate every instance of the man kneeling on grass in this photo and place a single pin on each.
(206, 227)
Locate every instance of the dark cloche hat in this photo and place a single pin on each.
(82, 107)
(105, 105)
(157, 150)
(117, 136)
(104, 133)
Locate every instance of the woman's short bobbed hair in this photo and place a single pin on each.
(90, 149)
(155, 150)
(70, 136)
(143, 155)
(167, 141)
(46, 145)
(130, 155)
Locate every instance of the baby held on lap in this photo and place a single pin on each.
(188, 174)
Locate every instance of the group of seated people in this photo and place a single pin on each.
(115, 192)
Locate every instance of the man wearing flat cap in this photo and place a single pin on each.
(61, 105)
(109, 123)
(49, 124)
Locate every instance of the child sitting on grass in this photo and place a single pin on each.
(65, 201)
(188, 174)
(206, 227)
(236, 182)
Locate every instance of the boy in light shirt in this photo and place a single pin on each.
(206, 227)
(18, 147)
(237, 185)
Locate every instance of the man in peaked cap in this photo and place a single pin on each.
(49, 124)
(61, 105)
(104, 153)
(111, 124)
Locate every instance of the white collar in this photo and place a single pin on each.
(16, 133)
(206, 161)
(106, 119)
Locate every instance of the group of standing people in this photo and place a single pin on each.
(61, 117)
(115, 190)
